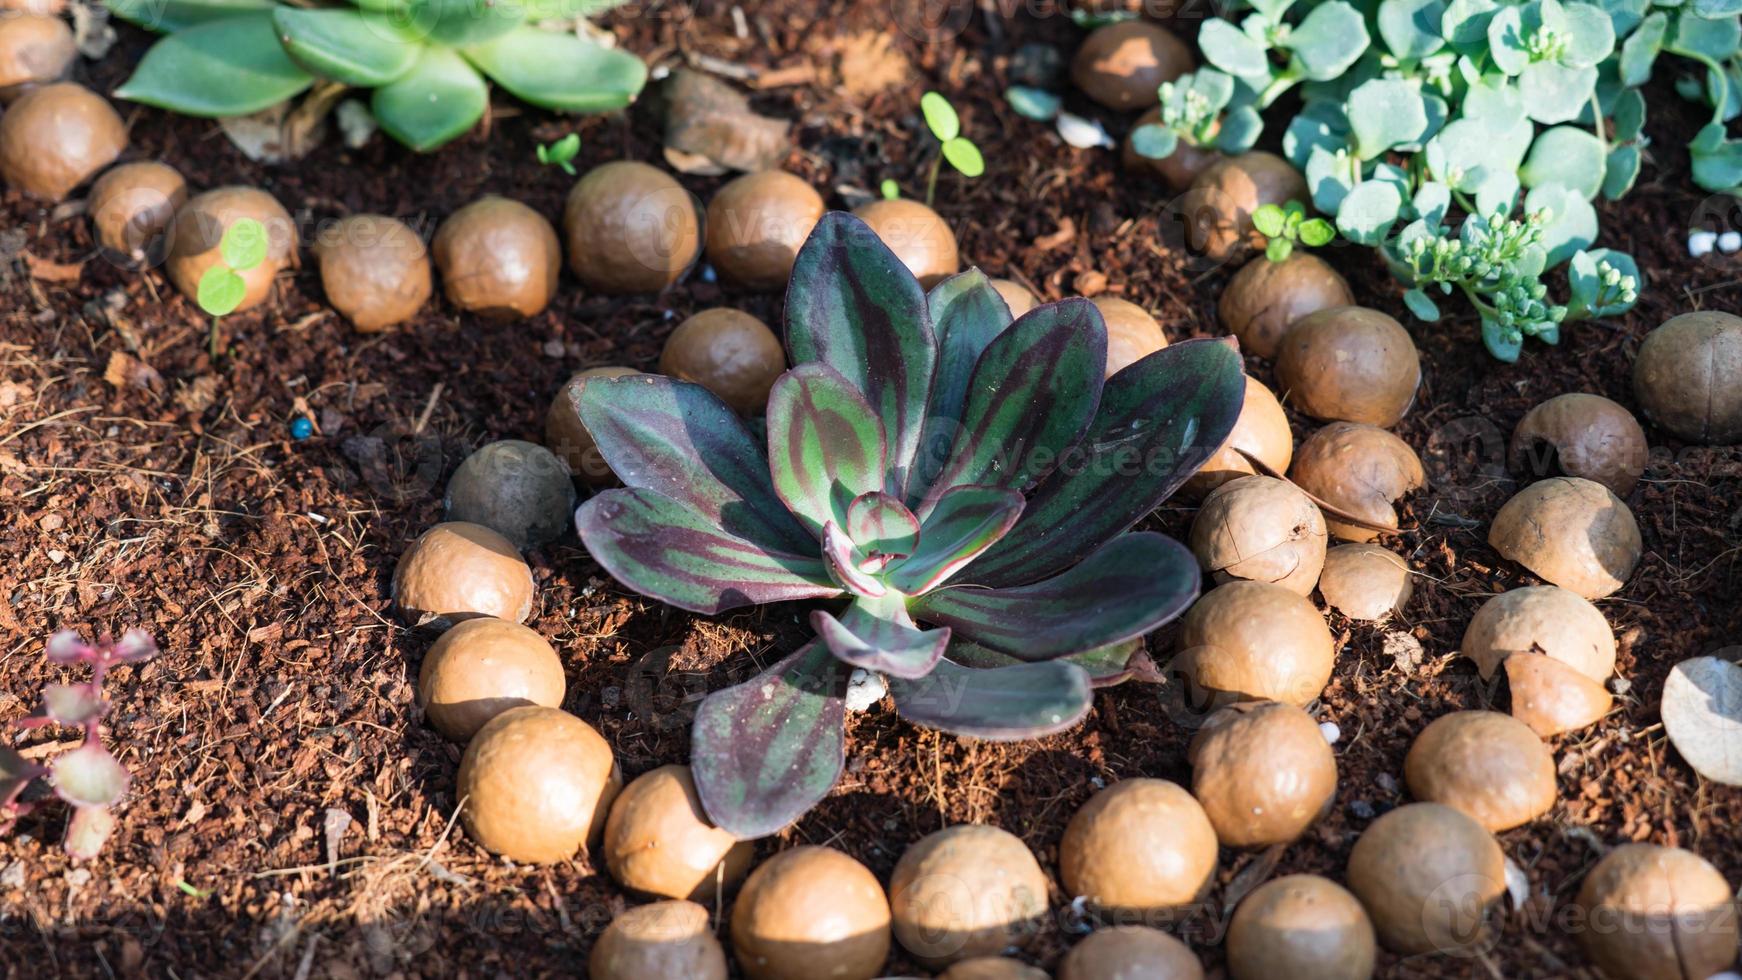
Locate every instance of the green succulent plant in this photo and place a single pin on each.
(425, 60)
(927, 461)
(1199, 109)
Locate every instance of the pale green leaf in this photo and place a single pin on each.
(560, 71)
(439, 99)
(229, 67)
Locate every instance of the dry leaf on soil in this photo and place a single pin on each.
(1702, 712)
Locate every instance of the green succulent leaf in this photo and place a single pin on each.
(1384, 113)
(348, 46)
(1278, 249)
(1716, 38)
(1160, 419)
(1422, 305)
(1716, 9)
(437, 101)
(1230, 49)
(1504, 344)
(1465, 24)
(940, 116)
(1031, 396)
(1717, 161)
(1002, 704)
(1269, 220)
(767, 750)
(662, 547)
(852, 305)
(880, 524)
(1367, 213)
(1568, 156)
(1591, 296)
(1328, 40)
(1033, 103)
(1572, 221)
(965, 522)
(1640, 49)
(557, 70)
(1241, 127)
(1411, 28)
(1556, 93)
(967, 313)
(457, 23)
(1130, 586)
(825, 445)
(1317, 233)
(1154, 141)
(1590, 35)
(1620, 171)
(88, 776)
(678, 439)
(877, 635)
(1506, 40)
(1107, 666)
(168, 16)
(229, 67)
(847, 565)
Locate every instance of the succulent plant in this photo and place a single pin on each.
(929, 461)
(426, 60)
(89, 778)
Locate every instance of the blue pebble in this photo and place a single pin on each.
(301, 428)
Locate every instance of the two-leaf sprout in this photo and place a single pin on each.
(561, 153)
(1287, 224)
(222, 287)
(941, 119)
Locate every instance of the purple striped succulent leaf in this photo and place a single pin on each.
(967, 313)
(965, 522)
(1003, 704)
(767, 750)
(825, 445)
(847, 565)
(1161, 418)
(1030, 398)
(877, 635)
(679, 440)
(1107, 666)
(662, 547)
(882, 526)
(852, 305)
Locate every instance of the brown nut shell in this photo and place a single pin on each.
(131, 206)
(1361, 470)
(993, 968)
(1218, 207)
(1489, 765)
(1581, 435)
(46, 8)
(811, 912)
(1130, 953)
(918, 236)
(1365, 582)
(659, 841)
(537, 783)
(1140, 846)
(1256, 641)
(1685, 377)
(1262, 529)
(1262, 430)
(197, 231)
(1121, 65)
(374, 269)
(1262, 771)
(1015, 295)
(1132, 334)
(1178, 169)
(1571, 532)
(730, 353)
(1541, 619)
(663, 941)
(1427, 873)
(630, 228)
(964, 892)
(520, 490)
(34, 49)
(1658, 913)
(457, 571)
(1265, 298)
(1551, 697)
(483, 667)
(1300, 927)
(1349, 364)
(569, 439)
(498, 258)
(756, 224)
(57, 136)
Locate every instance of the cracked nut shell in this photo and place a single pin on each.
(34, 49)
(1361, 470)
(1543, 619)
(1140, 846)
(1365, 582)
(659, 841)
(993, 968)
(457, 571)
(811, 912)
(1581, 435)
(483, 667)
(730, 353)
(1265, 298)
(1685, 377)
(1658, 913)
(672, 940)
(498, 258)
(537, 783)
(1261, 529)
(131, 206)
(1489, 765)
(1262, 771)
(1573, 533)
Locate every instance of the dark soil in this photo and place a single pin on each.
(283, 705)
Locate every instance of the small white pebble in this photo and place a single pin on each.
(864, 689)
(1701, 242)
(1729, 241)
(356, 123)
(1082, 133)
(1726, 975)
(1517, 884)
(1330, 731)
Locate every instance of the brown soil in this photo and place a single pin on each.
(177, 501)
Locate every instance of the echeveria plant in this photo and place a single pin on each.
(927, 461)
(89, 778)
(426, 60)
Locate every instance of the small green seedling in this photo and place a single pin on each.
(890, 189)
(1287, 224)
(941, 119)
(561, 153)
(222, 287)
